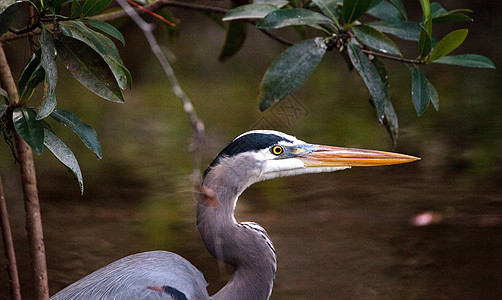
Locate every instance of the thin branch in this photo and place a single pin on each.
(392, 57)
(197, 125)
(15, 289)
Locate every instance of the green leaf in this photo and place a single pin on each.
(289, 71)
(385, 11)
(48, 62)
(106, 28)
(354, 9)
(101, 44)
(76, 9)
(390, 120)
(277, 3)
(409, 31)
(399, 5)
(452, 17)
(56, 3)
(294, 16)
(426, 9)
(33, 74)
(85, 132)
(449, 43)
(64, 155)
(329, 8)
(424, 43)
(89, 68)
(249, 11)
(236, 36)
(422, 91)
(3, 109)
(467, 60)
(371, 77)
(8, 13)
(29, 128)
(375, 39)
(92, 7)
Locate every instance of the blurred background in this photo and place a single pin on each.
(352, 234)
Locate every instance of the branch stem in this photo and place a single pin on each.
(392, 57)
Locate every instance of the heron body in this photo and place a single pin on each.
(251, 157)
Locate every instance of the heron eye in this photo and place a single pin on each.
(277, 150)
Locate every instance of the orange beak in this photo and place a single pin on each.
(328, 156)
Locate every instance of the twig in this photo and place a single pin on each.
(392, 57)
(197, 125)
(15, 289)
(31, 201)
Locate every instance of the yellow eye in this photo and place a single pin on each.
(276, 150)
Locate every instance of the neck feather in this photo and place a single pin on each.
(245, 246)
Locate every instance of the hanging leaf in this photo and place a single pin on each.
(92, 7)
(294, 16)
(29, 128)
(466, 60)
(375, 39)
(449, 43)
(106, 28)
(48, 62)
(85, 132)
(101, 44)
(87, 66)
(329, 8)
(409, 31)
(3, 109)
(354, 9)
(289, 71)
(422, 91)
(385, 11)
(235, 38)
(33, 74)
(399, 5)
(64, 155)
(249, 11)
(371, 78)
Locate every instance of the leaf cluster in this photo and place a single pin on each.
(84, 47)
(362, 31)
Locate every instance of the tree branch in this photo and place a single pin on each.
(15, 289)
(392, 57)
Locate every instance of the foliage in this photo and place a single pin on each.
(350, 27)
(84, 47)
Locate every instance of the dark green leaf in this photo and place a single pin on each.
(76, 9)
(375, 39)
(467, 60)
(89, 68)
(294, 16)
(249, 11)
(422, 91)
(106, 28)
(64, 155)
(29, 128)
(399, 5)
(101, 44)
(390, 120)
(48, 62)
(424, 43)
(329, 8)
(452, 17)
(354, 9)
(277, 3)
(409, 31)
(236, 36)
(8, 12)
(33, 74)
(385, 11)
(449, 43)
(92, 7)
(289, 71)
(3, 109)
(85, 132)
(371, 78)
(437, 10)
(56, 3)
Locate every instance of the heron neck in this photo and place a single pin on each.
(244, 246)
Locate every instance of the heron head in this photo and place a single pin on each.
(264, 154)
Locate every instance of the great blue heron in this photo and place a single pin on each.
(251, 157)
